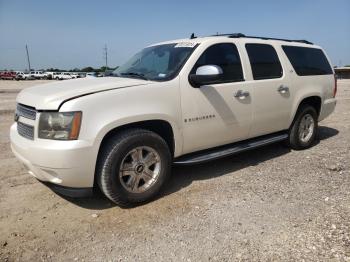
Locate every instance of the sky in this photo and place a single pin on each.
(71, 34)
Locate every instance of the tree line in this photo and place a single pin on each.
(84, 69)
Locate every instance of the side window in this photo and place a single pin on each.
(308, 61)
(264, 61)
(226, 56)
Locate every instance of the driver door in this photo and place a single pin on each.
(212, 115)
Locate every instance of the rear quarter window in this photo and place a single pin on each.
(308, 61)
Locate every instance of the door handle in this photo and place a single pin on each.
(283, 89)
(241, 94)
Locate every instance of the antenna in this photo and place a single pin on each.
(105, 55)
(193, 36)
(28, 57)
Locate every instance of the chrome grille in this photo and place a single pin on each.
(25, 130)
(25, 111)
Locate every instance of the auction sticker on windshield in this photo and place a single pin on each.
(185, 44)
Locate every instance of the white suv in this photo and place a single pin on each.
(185, 101)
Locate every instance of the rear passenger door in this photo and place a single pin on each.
(271, 92)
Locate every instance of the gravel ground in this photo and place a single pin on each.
(268, 204)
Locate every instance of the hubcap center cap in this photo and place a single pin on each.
(139, 168)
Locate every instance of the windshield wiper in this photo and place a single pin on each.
(142, 76)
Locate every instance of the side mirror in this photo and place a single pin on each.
(206, 75)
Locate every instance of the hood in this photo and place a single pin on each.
(50, 96)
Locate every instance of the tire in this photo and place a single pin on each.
(303, 132)
(122, 173)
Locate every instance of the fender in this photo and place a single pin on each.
(119, 123)
(301, 94)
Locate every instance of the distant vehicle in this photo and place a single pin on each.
(8, 75)
(55, 75)
(63, 76)
(49, 75)
(20, 76)
(23, 76)
(74, 75)
(38, 74)
(91, 74)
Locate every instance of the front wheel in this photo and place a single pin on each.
(303, 131)
(133, 166)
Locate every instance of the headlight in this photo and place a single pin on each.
(59, 126)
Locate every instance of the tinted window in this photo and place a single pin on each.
(226, 56)
(308, 61)
(264, 61)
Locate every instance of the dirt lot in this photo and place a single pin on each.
(267, 204)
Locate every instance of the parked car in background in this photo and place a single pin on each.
(38, 74)
(52, 75)
(8, 75)
(20, 75)
(91, 74)
(55, 75)
(74, 75)
(49, 75)
(23, 76)
(63, 76)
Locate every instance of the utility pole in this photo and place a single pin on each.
(28, 58)
(105, 55)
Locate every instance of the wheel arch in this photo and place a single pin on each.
(313, 100)
(161, 127)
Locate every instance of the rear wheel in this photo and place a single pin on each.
(133, 166)
(303, 131)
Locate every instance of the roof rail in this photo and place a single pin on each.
(240, 35)
(234, 35)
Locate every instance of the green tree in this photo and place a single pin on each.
(88, 69)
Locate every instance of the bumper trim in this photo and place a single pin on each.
(75, 192)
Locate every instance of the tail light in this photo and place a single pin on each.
(335, 86)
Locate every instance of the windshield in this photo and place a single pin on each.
(160, 63)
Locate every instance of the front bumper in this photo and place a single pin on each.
(62, 163)
(70, 191)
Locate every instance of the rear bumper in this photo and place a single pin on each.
(327, 108)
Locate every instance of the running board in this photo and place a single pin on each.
(227, 150)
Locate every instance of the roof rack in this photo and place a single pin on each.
(234, 35)
(240, 35)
